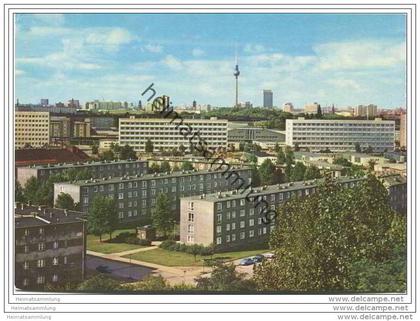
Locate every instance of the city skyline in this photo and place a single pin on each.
(341, 59)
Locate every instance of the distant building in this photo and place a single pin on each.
(250, 134)
(165, 135)
(288, 108)
(228, 220)
(403, 130)
(32, 129)
(366, 111)
(194, 105)
(73, 103)
(44, 102)
(340, 135)
(267, 98)
(81, 128)
(311, 108)
(60, 129)
(96, 169)
(104, 105)
(50, 247)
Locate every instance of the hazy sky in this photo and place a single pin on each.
(328, 58)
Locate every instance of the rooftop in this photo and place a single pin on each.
(286, 187)
(30, 156)
(138, 177)
(29, 215)
(393, 180)
(89, 163)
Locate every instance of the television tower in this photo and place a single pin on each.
(236, 73)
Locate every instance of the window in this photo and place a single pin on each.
(40, 279)
(228, 204)
(65, 260)
(251, 222)
(228, 215)
(242, 202)
(233, 237)
(190, 228)
(25, 282)
(26, 265)
(121, 185)
(233, 203)
(233, 215)
(251, 233)
(41, 231)
(26, 232)
(233, 225)
(135, 212)
(227, 227)
(219, 240)
(41, 246)
(120, 215)
(40, 263)
(190, 239)
(26, 249)
(219, 217)
(264, 230)
(55, 261)
(241, 224)
(251, 211)
(55, 245)
(55, 277)
(120, 205)
(129, 194)
(218, 229)
(219, 206)
(242, 235)
(227, 238)
(144, 203)
(85, 200)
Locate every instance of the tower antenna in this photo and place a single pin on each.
(236, 73)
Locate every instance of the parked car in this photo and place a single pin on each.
(103, 269)
(246, 261)
(269, 256)
(258, 258)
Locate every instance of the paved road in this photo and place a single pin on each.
(119, 270)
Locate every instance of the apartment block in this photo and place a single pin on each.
(340, 135)
(229, 220)
(250, 134)
(136, 195)
(50, 247)
(81, 129)
(60, 129)
(166, 134)
(32, 128)
(97, 169)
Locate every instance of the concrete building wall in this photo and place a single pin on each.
(197, 222)
(24, 174)
(32, 128)
(67, 188)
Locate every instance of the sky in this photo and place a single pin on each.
(341, 59)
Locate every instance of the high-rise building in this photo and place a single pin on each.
(403, 130)
(73, 103)
(136, 195)
(340, 135)
(50, 247)
(366, 111)
(165, 134)
(267, 98)
(44, 102)
(59, 129)
(311, 108)
(81, 128)
(288, 108)
(32, 128)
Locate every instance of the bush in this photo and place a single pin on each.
(194, 249)
(166, 244)
(130, 238)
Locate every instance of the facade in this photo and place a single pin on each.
(164, 133)
(81, 128)
(311, 108)
(397, 191)
(97, 169)
(59, 129)
(32, 128)
(403, 130)
(50, 247)
(366, 111)
(340, 135)
(288, 108)
(231, 221)
(249, 134)
(267, 98)
(136, 195)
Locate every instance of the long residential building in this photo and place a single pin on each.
(32, 128)
(136, 195)
(340, 135)
(50, 247)
(96, 169)
(228, 220)
(251, 134)
(165, 134)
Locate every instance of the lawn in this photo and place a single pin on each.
(172, 258)
(93, 243)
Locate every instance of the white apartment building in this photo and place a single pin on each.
(340, 135)
(165, 134)
(32, 128)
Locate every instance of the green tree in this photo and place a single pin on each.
(312, 172)
(154, 168)
(342, 161)
(277, 148)
(255, 176)
(319, 239)
(225, 278)
(371, 165)
(107, 155)
(267, 170)
(187, 166)
(102, 216)
(298, 172)
(369, 150)
(175, 168)
(95, 149)
(281, 157)
(182, 149)
(32, 191)
(162, 215)
(290, 156)
(149, 146)
(100, 283)
(319, 112)
(357, 147)
(127, 152)
(165, 167)
(65, 201)
(19, 197)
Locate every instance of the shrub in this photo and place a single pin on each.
(166, 244)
